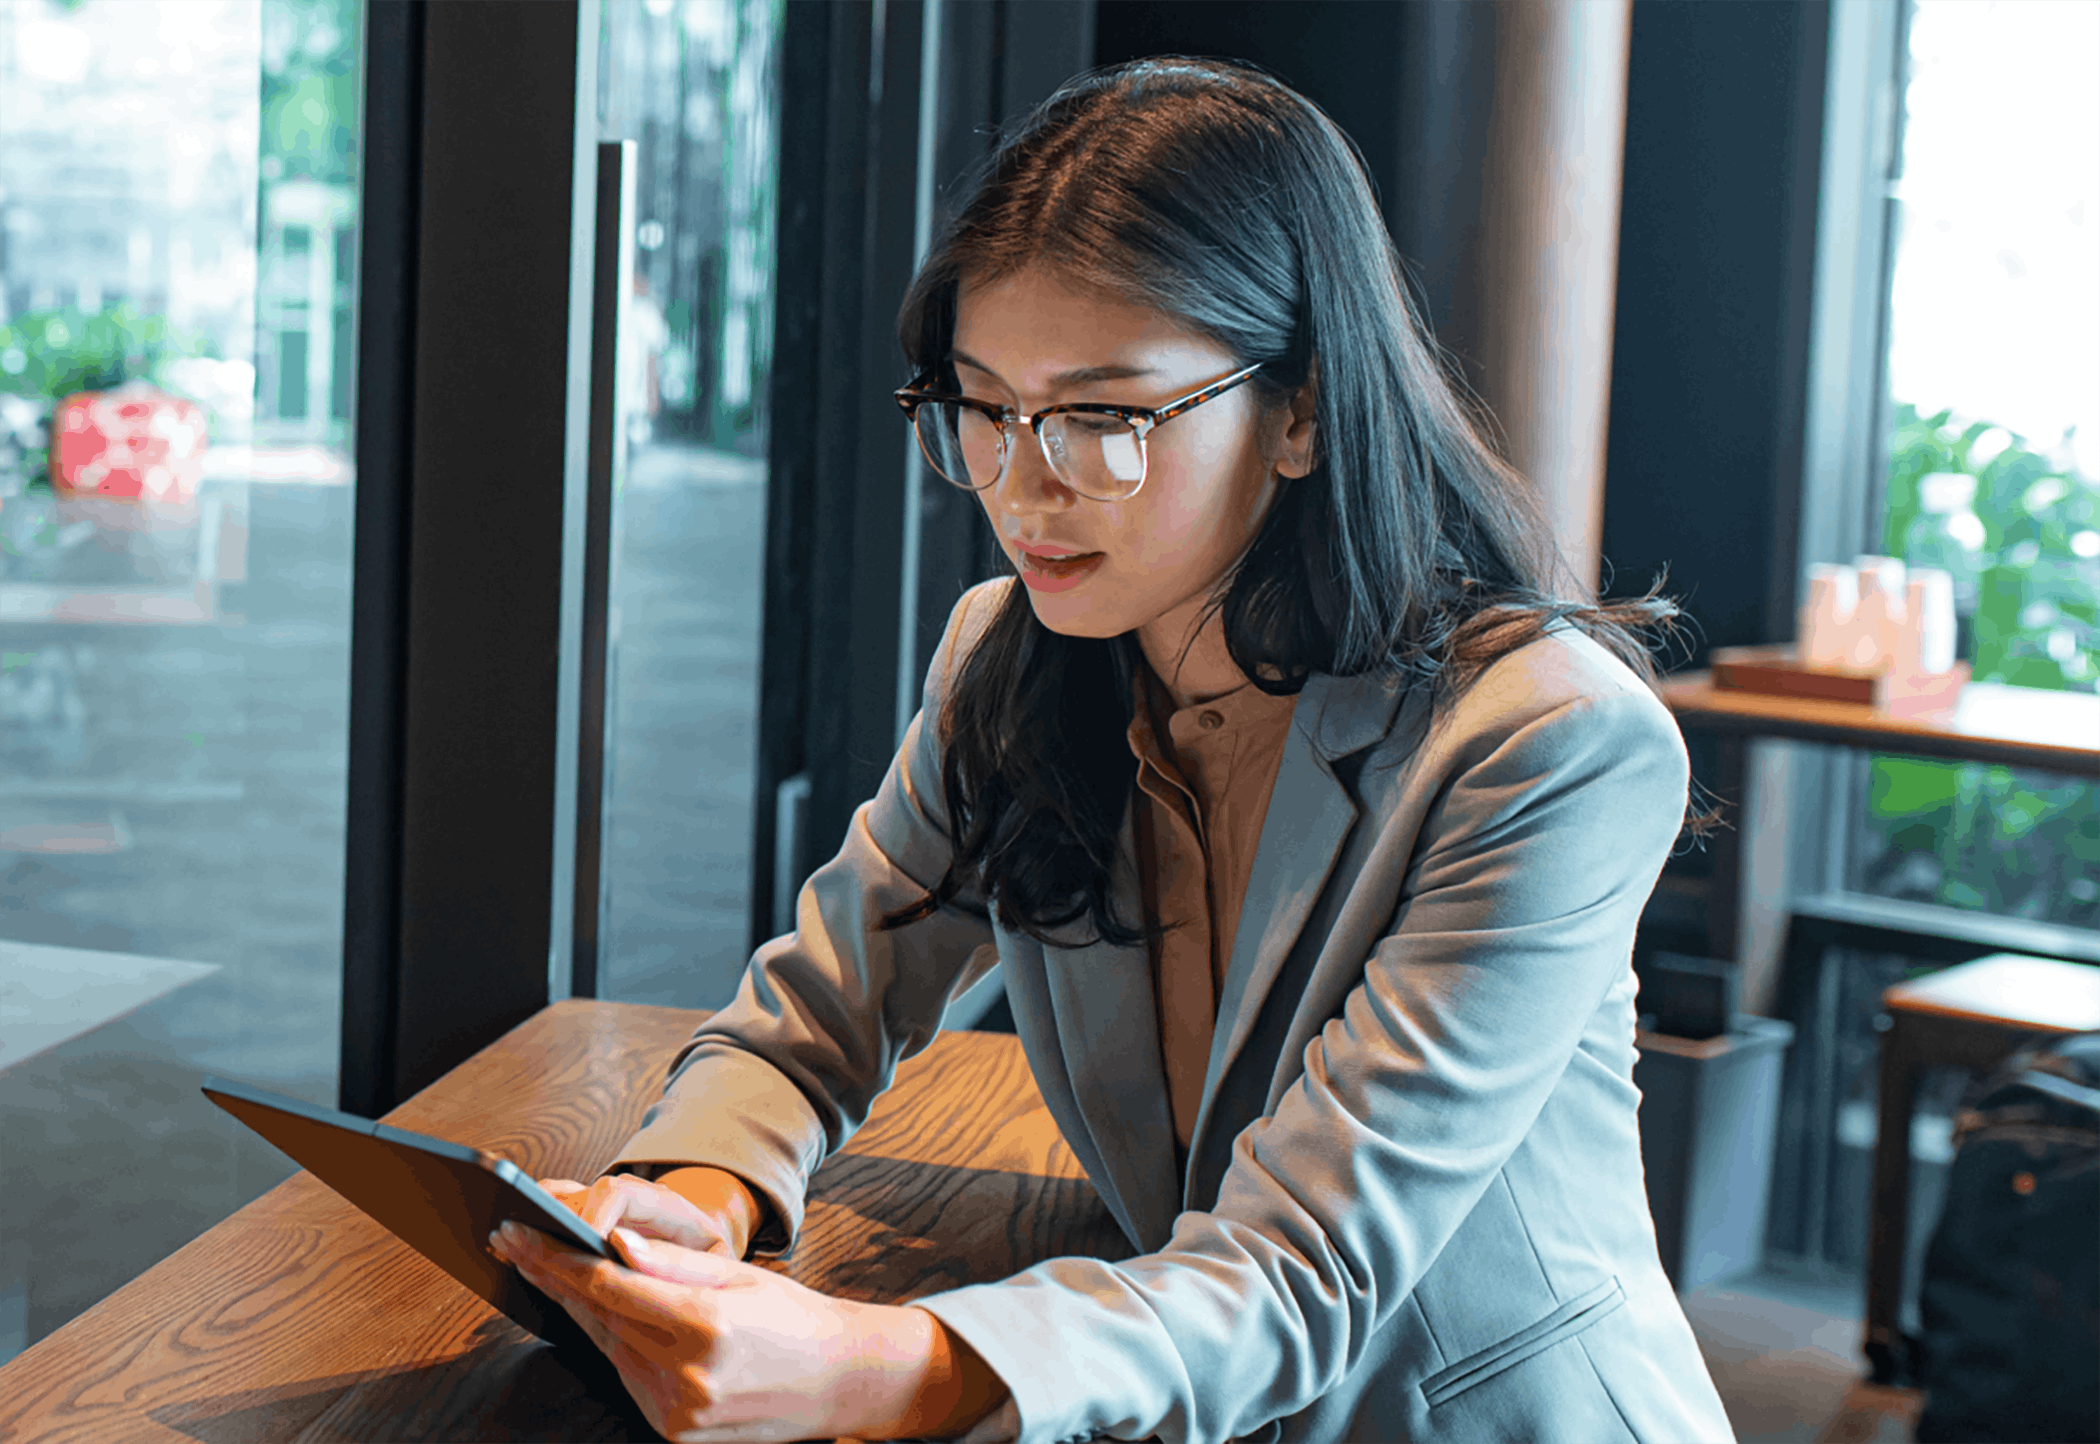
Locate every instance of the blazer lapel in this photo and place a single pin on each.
(1310, 816)
(1108, 1030)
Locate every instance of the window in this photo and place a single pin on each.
(1994, 459)
(173, 659)
(695, 84)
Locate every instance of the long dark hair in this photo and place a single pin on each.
(1214, 194)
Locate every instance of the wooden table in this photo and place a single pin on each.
(1993, 723)
(301, 1319)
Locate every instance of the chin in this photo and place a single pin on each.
(1071, 616)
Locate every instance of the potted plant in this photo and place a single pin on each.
(92, 420)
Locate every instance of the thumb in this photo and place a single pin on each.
(672, 1262)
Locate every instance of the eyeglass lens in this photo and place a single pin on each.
(1100, 457)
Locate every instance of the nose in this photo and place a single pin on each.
(1029, 486)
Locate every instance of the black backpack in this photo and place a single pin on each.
(2011, 1295)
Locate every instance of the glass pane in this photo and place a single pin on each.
(1994, 468)
(694, 84)
(178, 213)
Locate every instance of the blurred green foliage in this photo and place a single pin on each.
(2038, 624)
(54, 353)
(309, 90)
(1999, 839)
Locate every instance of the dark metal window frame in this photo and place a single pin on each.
(1844, 410)
(863, 562)
(480, 168)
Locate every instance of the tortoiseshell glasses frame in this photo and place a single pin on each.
(1107, 461)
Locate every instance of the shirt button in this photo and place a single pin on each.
(1210, 721)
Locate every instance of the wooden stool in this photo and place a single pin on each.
(1971, 1016)
(1809, 988)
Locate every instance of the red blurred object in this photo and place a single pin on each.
(136, 442)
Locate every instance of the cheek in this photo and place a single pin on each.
(1195, 517)
(1155, 535)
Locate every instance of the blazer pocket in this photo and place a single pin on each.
(1570, 1319)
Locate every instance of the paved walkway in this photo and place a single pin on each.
(209, 831)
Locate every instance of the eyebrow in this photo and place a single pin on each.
(1078, 376)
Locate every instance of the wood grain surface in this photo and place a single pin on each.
(2045, 994)
(300, 1319)
(2013, 726)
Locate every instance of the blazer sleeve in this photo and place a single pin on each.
(1517, 915)
(771, 1085)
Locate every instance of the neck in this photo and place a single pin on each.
(1191, 671)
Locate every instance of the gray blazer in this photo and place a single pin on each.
(1414, 1207)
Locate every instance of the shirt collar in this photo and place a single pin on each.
(1245, 707)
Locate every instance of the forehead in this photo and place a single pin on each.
(1035, 323)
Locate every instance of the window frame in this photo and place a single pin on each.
(466, 572)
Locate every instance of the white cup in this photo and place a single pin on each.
(1929, 606)
(1828, 615)
(1881, 617)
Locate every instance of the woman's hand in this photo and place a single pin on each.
(717, 1350)
(709, 1210)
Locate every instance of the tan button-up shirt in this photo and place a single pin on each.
(1202, 792)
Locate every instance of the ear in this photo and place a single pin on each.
(1293, 451)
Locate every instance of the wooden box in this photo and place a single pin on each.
(1776, 670)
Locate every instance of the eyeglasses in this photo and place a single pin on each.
(1097, 451)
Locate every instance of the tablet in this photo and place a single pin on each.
(441, 1199)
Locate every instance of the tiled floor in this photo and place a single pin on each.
(1783, 1348)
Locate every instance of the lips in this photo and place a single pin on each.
(1055, 573)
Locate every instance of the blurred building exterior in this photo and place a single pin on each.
(694, 83)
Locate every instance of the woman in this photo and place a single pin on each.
(1310, 831)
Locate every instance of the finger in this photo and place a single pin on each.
(588, 1291)
(616, 1304)
(558, 1268)
(540, 1257)
(525, 1249)
(553, 1276)
(514, 1242)
(565, 1190)
(651, 1310)
(613, 1200)
(672, 1263)
(624, 1200)
(643, 1305)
